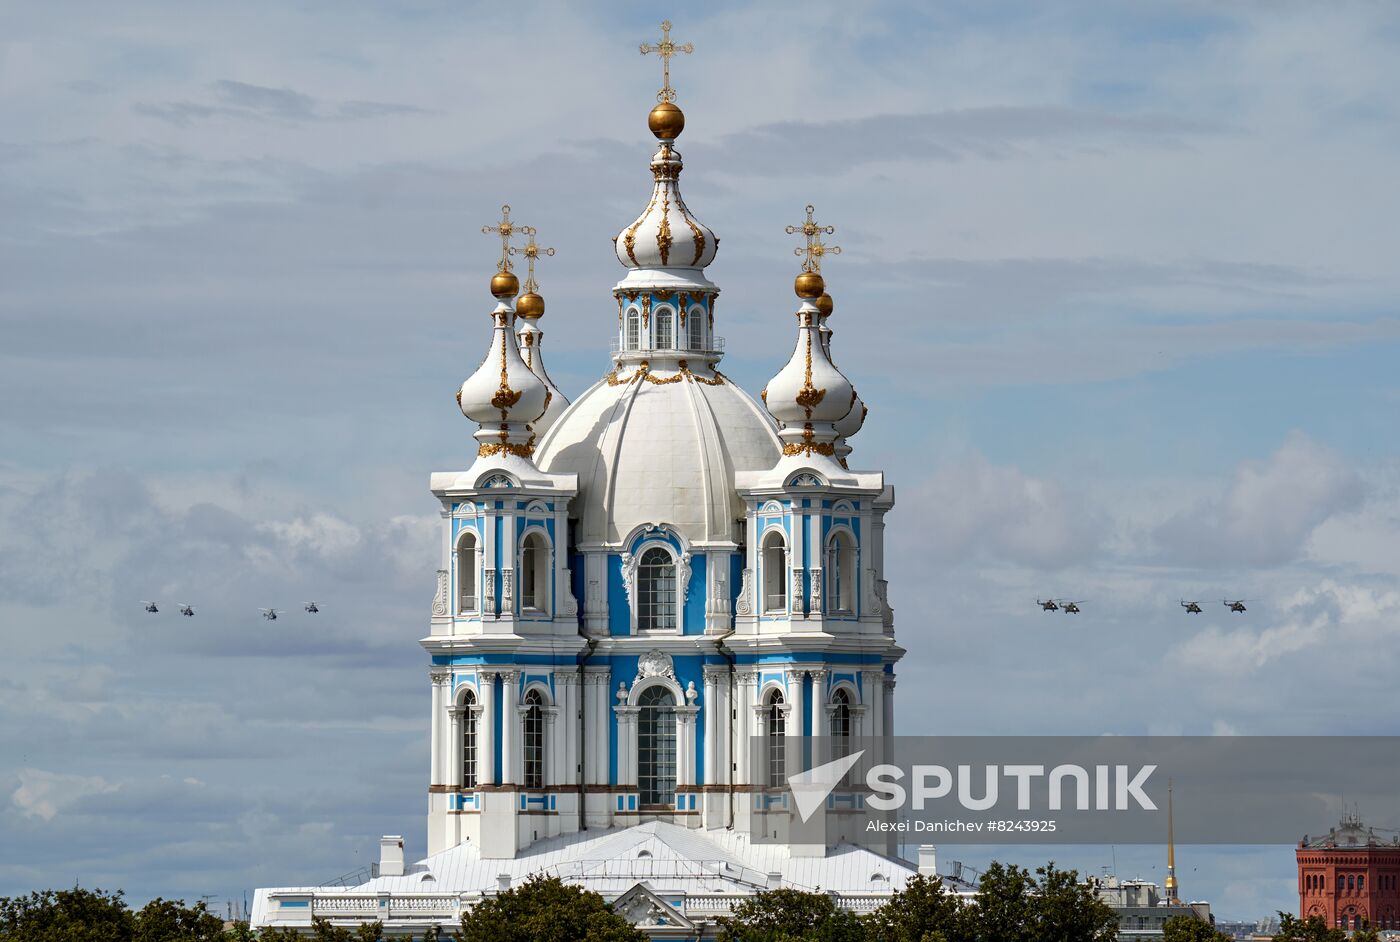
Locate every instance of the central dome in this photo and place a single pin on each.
(660, 448)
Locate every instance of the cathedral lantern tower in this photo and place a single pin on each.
(503, 635)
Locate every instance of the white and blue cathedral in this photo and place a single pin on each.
(640, 589)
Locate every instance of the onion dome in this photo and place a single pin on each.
(529, 308)
(504, 395)
(809, 395)
(851, 423)
(666, 235)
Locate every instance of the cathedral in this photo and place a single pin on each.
(646, 596)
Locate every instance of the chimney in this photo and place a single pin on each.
(928, 860)
(502, 881)
(391, 856)
(775, 880)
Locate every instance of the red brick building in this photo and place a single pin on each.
(1350, 877)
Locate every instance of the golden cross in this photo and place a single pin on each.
(505, 229)
(815, 248)
(666, 49)
(531, 251)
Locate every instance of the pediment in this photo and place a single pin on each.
(645, 910)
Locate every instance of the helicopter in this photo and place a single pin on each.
(311, 607)
(1193, 608)
(151, 607)
(1070, 608)
(186, 609)
(1049, 605)
(270, 614)
(1236, 605)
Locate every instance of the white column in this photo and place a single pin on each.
(439, 679)
(456, 716)
(875, 690)
(552, 749)
(745, 726)
(486, 731)
(510, 728)
(818, 709)
(627, 744)
(685, 734)
(713, 719)
(795, 698)
(488, 566)
(510, 591)
(567, 685)
(889, 706)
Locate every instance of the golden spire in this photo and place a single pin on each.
(1170, 887)
(815, 248)
(666, 49)
(531, 251)
(505, 229)
(530, 305)
(504, 284)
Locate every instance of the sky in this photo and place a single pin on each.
(1117, 284)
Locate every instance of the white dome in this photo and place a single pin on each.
(659, 448)
(666, 235)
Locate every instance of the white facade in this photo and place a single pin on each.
(634, 589)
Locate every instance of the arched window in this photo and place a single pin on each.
(774, 572)
(695, 324)
(841, 573)
(656, 746)
(664, 335)
(656, 591)
(534, 573)
(466, 572)
(633, 339)
(468, 740)
(775, 732)
(840, 721)
(841, 730)
(534, 740)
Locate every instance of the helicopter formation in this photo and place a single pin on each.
(184, 608)
(1192, 608)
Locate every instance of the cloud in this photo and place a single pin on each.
(971, 510)
(263, 103)
(981, 133)
(1269, 510)
(1335, 616)
(43, 794)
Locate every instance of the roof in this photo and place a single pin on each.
(669, 858)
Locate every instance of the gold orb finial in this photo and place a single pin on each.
(529, 306)
(809, 286)
(825, 305)
(504, 285)
(666, 121)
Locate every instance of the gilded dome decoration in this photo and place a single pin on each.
(504, 395)
(809, 396)
(529, 308)
(666, 235)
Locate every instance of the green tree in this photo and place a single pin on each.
(545, 909)
(1312, 929)
(787, 915)
(1004, 909)
(163, 920)
(75, 915)
(1065, 908)
(1191, 929)
(924, 911)
(323, 931)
